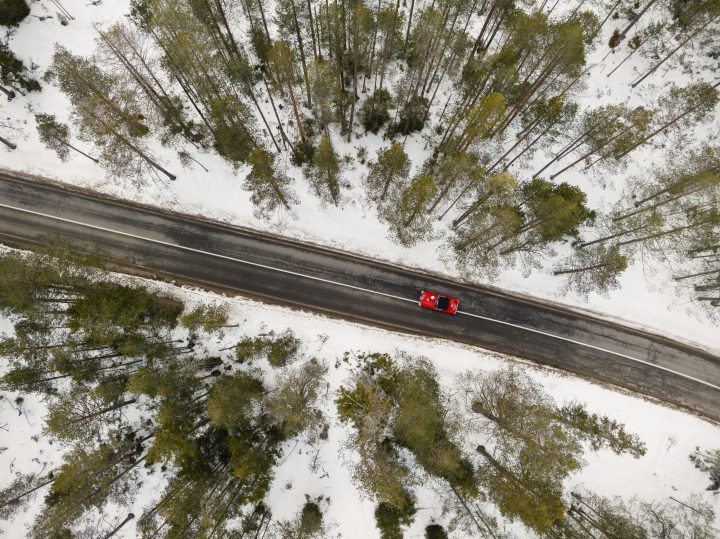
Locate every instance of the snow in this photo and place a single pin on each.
(665, 470)
(646, 297)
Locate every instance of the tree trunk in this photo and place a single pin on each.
(672, 52)
(315, 42)
(8, 143)
(635, 20)
(301, 49)
(579, 270)
(700, 274)
(103, 411)
(119, 526)
(613, 236)
(409, 25)
(10, 94)
(662, 128)
(21, 496)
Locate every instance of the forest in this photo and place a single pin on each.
(132, 397)
(488, 89)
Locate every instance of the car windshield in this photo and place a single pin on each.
(443, 303)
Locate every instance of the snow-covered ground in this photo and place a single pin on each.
(664, 471)
(646, 297)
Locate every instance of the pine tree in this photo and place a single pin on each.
(405, 210)
(13, 74)
(388, 173)
(211, 318)
(708, 462)
(325, 171)
(535, 444)
(293, 405)
(270, 188)
(107, 114)
(55, 136)
(593, 270)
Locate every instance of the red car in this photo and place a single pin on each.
(438, 302)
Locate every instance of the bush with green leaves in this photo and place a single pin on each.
(376, 110)
(412, 116)
(390, 519)
(435, 531)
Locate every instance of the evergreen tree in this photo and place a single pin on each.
(107, 113)
(211, 318)
(405, 210)
(389, 173)
(13, 73)
(708, 462)
(593, 270)
(325, 171)
(55, 136)
(376, 110)
(270, 188)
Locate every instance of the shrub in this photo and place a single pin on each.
(390, 519)
(412, 117)
(282, 349)
(311, 518)
(304, 152)
(376, 110)
(435, 531)
(13, 11)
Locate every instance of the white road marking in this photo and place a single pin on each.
(586, 345)
(200, 251)
(289, 272)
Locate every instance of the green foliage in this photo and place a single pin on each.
(306, 524)
(412, 116)
(560, 209)
(232, 400)
(53, 134)
(601, 431)
(390, 519)
(325, 171)
(248, 349)
(232, 139)
(405, 210)
(282, 349)
(13, 72)
(270, 188)
(87, 480)
(389, 172)
(708, 462)
(435, 531)
(311, 519)
(211, 318)
(292, 405)
(108, 311)
(395, 406)
(13, 11)
(304, 151)
(33, 283)
(535, 444)
(376, 110)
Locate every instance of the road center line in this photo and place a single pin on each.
(200, 251)
(586, 345)
(289, 272)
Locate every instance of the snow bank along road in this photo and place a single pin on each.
(146, 240)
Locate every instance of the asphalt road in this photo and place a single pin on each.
(150, 241)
